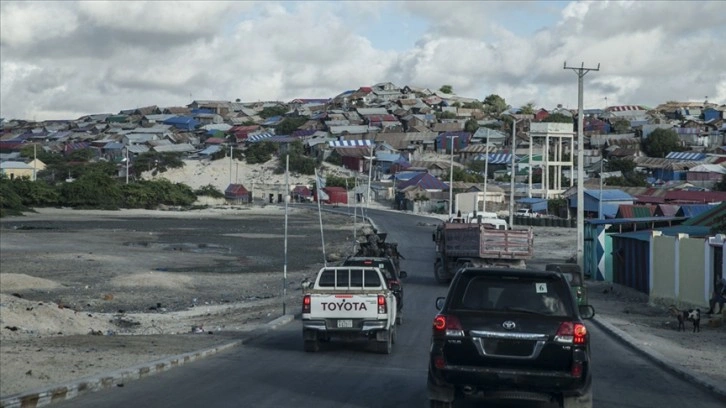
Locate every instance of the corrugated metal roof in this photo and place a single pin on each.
(497, 158)
(349, 143)
(692, 210)
(211, 150)
(692, 231)
(695, 196)
(181, 147)
(609, 195)
(425, 181)
(668, 210)
(686, 156)
(708, 218)
(635, 211)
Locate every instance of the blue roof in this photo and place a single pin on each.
(113, 146)
(388, 157)
(497, 158)
(692, 210)
(645, 235)
(425, 181)
(273, 120)
(211, 150)
(610, 195)
(686, 156)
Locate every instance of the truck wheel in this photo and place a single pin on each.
(439, 273)
(583, 401)
(386, 346)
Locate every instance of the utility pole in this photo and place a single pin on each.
(513, 173)
(451, 179)
(581, 72)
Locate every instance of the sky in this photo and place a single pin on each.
(64, 60)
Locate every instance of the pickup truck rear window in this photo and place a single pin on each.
(349, 278)
(544, 296)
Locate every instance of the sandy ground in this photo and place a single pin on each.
(78, 302)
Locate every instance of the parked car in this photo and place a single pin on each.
(506, 334)
(573, 273)
(392, 274)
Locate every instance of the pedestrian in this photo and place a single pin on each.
(719, 296)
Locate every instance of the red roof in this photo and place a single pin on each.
(236, 190)
(215, 140)
(695, 197)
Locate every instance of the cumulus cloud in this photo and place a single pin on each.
(67, 59)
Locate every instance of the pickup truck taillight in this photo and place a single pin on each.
(382, 306)
(447, 326)
(306, 304)
(571, 333)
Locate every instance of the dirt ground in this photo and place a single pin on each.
(75, 286)
(87, 292)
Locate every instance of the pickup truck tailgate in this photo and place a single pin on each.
(345, 306)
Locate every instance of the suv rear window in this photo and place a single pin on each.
(545, 296)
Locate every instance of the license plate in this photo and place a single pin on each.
(345, 323)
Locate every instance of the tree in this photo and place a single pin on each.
(289, 125)
(446, 115)
(260, 152)
(447, 89)
(527, 109)
(495, 104)
(473, 105)
(721, 185)
(620, 125)
(559, 118)
(661, 142)
(271, 111)
(471, 126)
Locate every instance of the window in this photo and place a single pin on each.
(327, 279)
(371, 279)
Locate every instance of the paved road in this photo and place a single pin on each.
(273, 371)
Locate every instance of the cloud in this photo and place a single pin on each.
(61, 58)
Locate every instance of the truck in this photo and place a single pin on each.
(474, 242)
(349, 303)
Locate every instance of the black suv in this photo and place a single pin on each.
(390, 270)
(510, 334)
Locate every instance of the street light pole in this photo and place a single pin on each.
(486, 177)
(127, 165)
(451, 178)
(370, 169)
(599, 201)
(511, 180)
(581, 72)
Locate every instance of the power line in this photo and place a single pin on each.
(581, 72)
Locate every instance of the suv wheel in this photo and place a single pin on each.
(441, 404)
(583, 401)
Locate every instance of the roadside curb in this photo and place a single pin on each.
(64, 392)
(660, 359)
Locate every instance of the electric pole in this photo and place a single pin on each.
(581, 72)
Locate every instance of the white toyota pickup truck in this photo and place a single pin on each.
(349, 302)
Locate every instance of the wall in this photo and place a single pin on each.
(663, 259)
(679, 270)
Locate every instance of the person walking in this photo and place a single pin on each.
(718, 297)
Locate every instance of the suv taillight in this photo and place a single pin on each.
(571, 333)
(447, 326)
(306, 304)
(382, 306)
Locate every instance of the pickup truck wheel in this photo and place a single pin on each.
(583, 401)
(441, 404)
(311, 346)
(386, 347)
